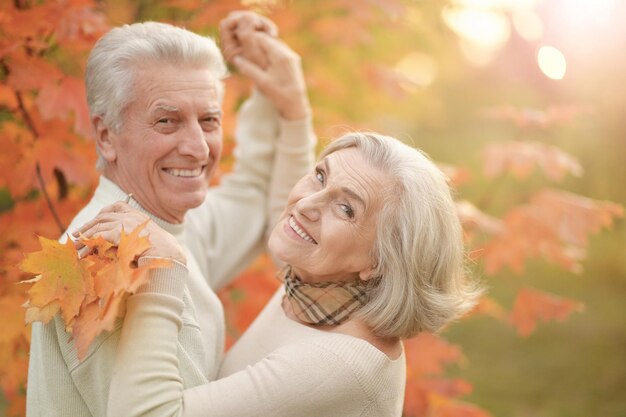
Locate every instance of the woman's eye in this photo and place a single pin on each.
(347, 209)
(320, 176)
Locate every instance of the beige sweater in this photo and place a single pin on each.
(220, 237)
(279, 368)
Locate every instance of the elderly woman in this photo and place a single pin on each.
(373, 254)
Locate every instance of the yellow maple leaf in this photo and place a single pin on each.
(63, 278)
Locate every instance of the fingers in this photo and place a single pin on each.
(110, 231)
(228, 39)
(249, 69)
(230, 51)
(247, 20)
(265, 25)
(275, 50)
(237, 32)
(118, 216)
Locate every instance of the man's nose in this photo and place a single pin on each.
(194, 143)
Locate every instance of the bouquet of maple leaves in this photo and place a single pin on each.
(88, 291)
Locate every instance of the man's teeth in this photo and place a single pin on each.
(299, 231)
(184, 172)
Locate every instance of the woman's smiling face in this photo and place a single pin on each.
(328, 228)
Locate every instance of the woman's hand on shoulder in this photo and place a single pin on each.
(109, 223)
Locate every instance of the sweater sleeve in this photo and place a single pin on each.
(295, 154)
(300, 379)
(228, 231)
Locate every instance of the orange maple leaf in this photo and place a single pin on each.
(125, 274)
(94, 319)
(90, 291)
(532, 305)
(63, 278)
(115, 274)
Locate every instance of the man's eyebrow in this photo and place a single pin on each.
(346, 190)
(166, 108)
(214, 110)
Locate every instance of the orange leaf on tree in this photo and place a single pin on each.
(13, 328)
(573, 216)
(554, 225)
(60, 100)
(488, 306)
(31, 72)
(457, 409)
(525, 118)
(7, 97)
(427, 354)
(521, 157)
(532, 305)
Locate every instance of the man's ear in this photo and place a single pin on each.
(104, 139)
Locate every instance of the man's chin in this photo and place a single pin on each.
(183, 202)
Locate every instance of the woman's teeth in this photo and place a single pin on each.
(299, 231)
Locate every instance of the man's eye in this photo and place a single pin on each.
(211, 123)
(212, 119)
(164, 120)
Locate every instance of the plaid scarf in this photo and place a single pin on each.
(324, 303)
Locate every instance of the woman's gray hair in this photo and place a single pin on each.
(117, 57)
(419, 251)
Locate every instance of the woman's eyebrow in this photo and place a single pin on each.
(346, 190)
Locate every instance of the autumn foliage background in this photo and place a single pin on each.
(539, 166)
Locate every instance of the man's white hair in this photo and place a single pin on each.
(116, 57)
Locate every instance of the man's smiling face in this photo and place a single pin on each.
(170, 141)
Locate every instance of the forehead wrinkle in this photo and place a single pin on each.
(354, 195)
(365, 181)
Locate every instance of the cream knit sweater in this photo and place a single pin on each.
(220, 237)
(279, 368)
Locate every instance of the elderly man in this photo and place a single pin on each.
(154, 93)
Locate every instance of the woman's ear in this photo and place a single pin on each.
(104, 140)
(369, 272)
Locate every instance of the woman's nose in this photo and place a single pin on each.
(310, 206)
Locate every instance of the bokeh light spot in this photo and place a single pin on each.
(418, 70)
(552, 62)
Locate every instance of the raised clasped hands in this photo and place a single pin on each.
(249, 43)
